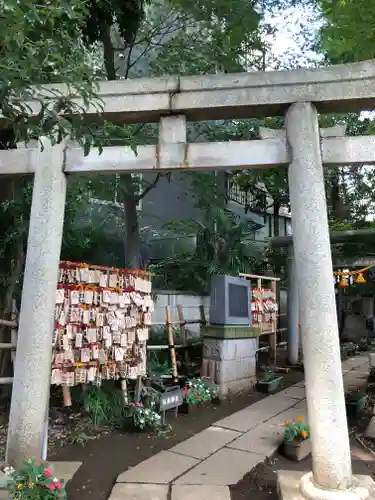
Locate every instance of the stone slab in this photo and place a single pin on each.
(293, 392)
(201, 492)
(223, 468)
(138, 491)
(288, 483)
(205, 443)
(65, 470)
(289, 414)
(301, 405)
(370, 429)
(264, 440)
(256, 414)
(159, 469)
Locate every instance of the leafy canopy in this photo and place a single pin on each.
(348, 31)
(41, 43)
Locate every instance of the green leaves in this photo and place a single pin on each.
(42, 44)
(348, 31)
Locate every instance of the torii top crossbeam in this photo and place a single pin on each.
(341, 88)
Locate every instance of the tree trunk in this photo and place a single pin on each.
(276, 218)
(131, 226)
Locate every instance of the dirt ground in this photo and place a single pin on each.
(108, 456)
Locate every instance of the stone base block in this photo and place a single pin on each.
(236, 386)
(229, 349)
(296, 485)
(231, 363)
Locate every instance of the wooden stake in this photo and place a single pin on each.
(172, 350)
(202, 315)
(66, 396)
(183, 336)
(14, 330)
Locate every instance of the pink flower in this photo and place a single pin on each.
(139, 404)
(47, 472)
(58, 485)
(50, 486)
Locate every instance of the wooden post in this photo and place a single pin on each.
(14, 330)
(202, 315)
(172, 349)
(274, 324)
(183, 336)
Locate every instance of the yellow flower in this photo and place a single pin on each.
(286, 422)
(304, 434)
(20, 486)
(299, 418)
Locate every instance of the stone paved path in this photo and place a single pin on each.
(202, 467)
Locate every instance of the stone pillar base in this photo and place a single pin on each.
(230, 362)
(296, 485)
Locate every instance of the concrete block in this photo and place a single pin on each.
(293, 392)
(301, 405)
(256, 414)
(225, 467)
(236, 386)
(229, 349)
(202, 492)
(139, 492)
(65, 470)
(205, 443)
(264, 440)
(159, 469)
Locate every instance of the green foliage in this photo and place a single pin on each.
(127, 15)
(212, 36)
(296, 430)
(143, 417)
(223, 246)
(269, 376)
(348, 31)
(40, 45)
(33, 481)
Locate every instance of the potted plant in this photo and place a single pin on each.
(350, 348)
(141, 416)
(198, 391)
(269, 382)
(297, 443)
(344, 352)
(355, 401)
(34, 481)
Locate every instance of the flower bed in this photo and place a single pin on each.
(34, 482)
(197, 392)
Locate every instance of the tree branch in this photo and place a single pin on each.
(149, 187)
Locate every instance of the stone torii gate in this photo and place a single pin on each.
(300, 95)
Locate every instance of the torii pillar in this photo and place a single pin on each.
(331, 477)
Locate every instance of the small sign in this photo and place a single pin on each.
(173, 397)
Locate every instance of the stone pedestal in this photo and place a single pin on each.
(229, 357)
(297, 485)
